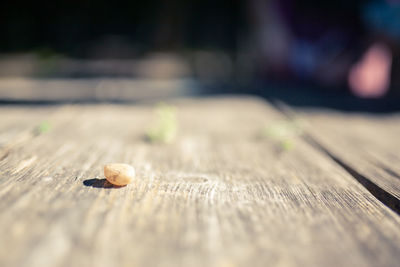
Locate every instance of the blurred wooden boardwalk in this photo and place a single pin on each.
(221, 194)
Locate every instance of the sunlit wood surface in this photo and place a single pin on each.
(221, 194)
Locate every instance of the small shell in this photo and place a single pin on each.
(119, 173)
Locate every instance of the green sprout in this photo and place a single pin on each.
(165, 127)
(287, 145)
(283, 132)
(43, 127)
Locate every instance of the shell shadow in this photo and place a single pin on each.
(99, 183)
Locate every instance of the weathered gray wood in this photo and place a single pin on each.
(369, 144)
(217, 196)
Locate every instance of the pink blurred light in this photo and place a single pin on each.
(370, 77)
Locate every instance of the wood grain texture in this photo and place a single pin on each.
(19, 125)
(370, 144)
(217, 196)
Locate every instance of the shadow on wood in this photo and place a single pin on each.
(100, 183)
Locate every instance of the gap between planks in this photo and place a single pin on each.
(366, 180)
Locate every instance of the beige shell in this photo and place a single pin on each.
(119, 173)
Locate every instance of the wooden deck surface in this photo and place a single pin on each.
(222, 194)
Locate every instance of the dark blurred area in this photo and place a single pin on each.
(342, 54)
(127, 28)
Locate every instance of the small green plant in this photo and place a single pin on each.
(287, 145)
(165, 127)
(283, 132)
(43, 127)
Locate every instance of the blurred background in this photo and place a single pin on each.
(339, 54)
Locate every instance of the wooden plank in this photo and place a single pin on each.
(17, 128)
(367, 143)
(217, 196)
(81, 90)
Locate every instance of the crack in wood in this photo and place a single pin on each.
(382, 195)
